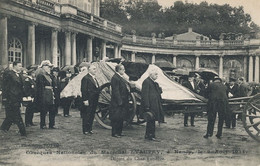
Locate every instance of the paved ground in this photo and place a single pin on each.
(179, 145)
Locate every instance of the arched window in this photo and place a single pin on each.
(185, 64)
(15, 50)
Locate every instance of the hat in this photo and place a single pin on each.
(148, 116)
(191, 74)
(55, 69)
(46, 63)
(68, 71)
(232, 80)
(217, 78)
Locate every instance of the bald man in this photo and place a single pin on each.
(90, 92)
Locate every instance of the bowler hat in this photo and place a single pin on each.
(217, 78)
(55, 69)
(148, 116)
(232, 80)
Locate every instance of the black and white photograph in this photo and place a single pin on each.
(129, 83)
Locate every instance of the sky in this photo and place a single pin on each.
(251, 7)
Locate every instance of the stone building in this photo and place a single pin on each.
(64, 31)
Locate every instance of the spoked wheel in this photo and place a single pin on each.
(251, 117)
(102, 112)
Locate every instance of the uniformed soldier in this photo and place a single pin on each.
(56, 88)
(45, 95)
(30, 90)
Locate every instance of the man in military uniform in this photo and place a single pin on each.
(45, 95)
(13, 93)
(30, 90)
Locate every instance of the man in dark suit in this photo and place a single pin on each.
(151, 102)
(232, 92)
(217, 103)
(56, 88)
(13, 93)
(119, 100)
(90, 93)
(190, 84)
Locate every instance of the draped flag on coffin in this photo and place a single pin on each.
(105, 70)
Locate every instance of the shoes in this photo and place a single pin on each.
(91, 132)
(116, 136)
(53, 127)
(43, 127)
(66, 115)
(87, 133)
(185, 125)
(218, 136)
(193, 125)
(153, 139)
(207, 136)
(32, 124)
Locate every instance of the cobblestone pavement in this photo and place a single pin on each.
(178, 145)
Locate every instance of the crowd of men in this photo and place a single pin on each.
(42, 86)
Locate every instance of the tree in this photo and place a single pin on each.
(150, 17)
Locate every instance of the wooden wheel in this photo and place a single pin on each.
(102, 112)
(251, 117)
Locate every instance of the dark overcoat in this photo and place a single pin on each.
(120, 98)
(217, 94)
(43, 80)
(151, 98)
(13, 90)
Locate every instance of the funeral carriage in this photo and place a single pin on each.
(175, 97)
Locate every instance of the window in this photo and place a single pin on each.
(15, 50)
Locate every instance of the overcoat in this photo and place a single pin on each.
(13, 90)
(120, 98)
(151, 98)
(217, 95)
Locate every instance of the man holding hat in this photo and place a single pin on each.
(151, 103)
(45, 95)
(217, 103)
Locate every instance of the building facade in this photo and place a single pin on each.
(63, 31)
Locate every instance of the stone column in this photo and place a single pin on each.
(116, 51)
(197, 61)
(31, 44)
(90, 48)
(221, 66)
(119, 52)
(73, 49)
(153, 58)
(250, 72)
(103, 49)
(67, 48)
(257, 68)
(3, 41)
(133, 57)
(245, 67)
(54, 47)
(174, 61)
